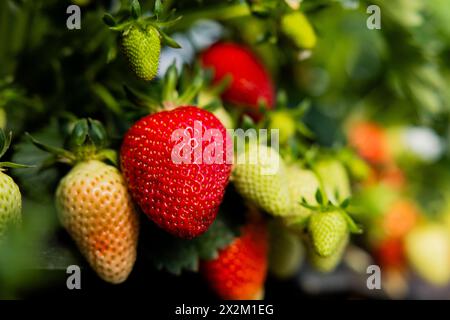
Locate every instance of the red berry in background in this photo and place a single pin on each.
(370, 141)
(390, 253)
(401, 218)
(240, 270)
(250, 80)
(181, 198)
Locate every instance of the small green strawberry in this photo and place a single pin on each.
(329, 263)
(10, 197)
(327, 231)
(427, 248)
(296, 26)
(142, 47)
(286, 251)
(335, 179)
(260, 177)
(11, 202)
(283, 121)
(289, 122)
(141, 39)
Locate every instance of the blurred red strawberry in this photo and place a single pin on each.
(370, 141)
(250, 81)
(239, 272)
(390, 253)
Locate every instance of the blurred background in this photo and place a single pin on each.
(381, 94)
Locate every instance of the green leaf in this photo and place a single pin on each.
(167, 40)
(14, 165)
(170, 83)
(345, 203)
(319, 197)
(247, 122)
(212, 106)
(97, 133)
(79, 133)
(158, 8)
(176, 255)
(60, 152)
(107, 98)
(135, 9)
(109, 20)
(5, 142)
(352, 226)
(35, 182)
(110, 155)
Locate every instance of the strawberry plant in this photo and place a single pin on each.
(241, 149)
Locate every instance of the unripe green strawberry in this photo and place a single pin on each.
(95, 208)
(335, 179)
(428, 251)
(10, 203)
(260, 177)
(286, 251)
(302, 184)
(329, 263)
(142, 48)
(327, 231)
(2, 118)
(283, 121)
(296, 26)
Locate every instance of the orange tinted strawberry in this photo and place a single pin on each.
(239, 272)
(95, 208)
(370, 142)
(400, 218)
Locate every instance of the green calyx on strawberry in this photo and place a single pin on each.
(328, 225)
(11, 199)
(142, 37)
(306, 178)
(334, 178)
(92, 200)
(191, 86)
(86, 140)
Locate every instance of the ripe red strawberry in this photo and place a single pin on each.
(240, 270)
(181, 198)
(250, 80)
